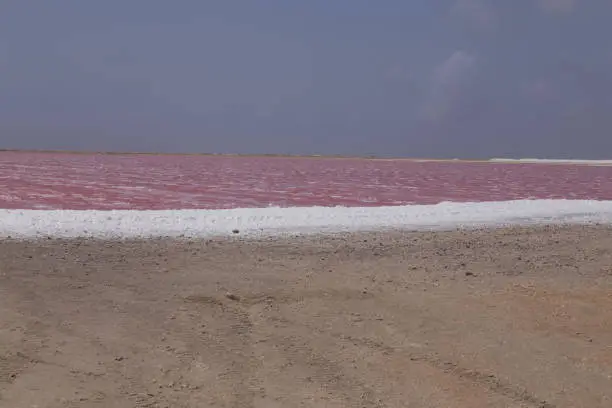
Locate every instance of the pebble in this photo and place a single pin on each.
(232, 296)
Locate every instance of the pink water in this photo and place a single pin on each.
(80, 181)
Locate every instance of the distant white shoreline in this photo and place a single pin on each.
(261, 222)
(553, 161)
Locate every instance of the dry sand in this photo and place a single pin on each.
(508, 318)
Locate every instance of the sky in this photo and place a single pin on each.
(418, 78)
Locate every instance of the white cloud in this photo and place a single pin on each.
(475, 12)
(447, 84)
(454, 68)
(557, 6)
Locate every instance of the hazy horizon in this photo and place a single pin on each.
(437, 79)
(297, 155)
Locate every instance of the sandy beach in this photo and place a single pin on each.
(517, 317)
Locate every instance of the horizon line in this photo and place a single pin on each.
(499, 160)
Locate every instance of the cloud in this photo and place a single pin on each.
(476, 13)
(453, 68)
(557, 6)
(448, 82)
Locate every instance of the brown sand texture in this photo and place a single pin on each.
(518, 317)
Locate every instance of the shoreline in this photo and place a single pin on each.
(496, 161)
(263, 155)
(277, 221)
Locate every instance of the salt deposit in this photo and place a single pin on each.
(254, 222)
(554, 161)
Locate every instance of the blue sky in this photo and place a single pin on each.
(436, 78)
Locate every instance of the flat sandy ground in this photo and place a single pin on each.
(506, 318)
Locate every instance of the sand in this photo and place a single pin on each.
(517, 317)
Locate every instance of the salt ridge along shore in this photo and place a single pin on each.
(257, 222)
(553, 161)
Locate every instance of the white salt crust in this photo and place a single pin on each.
(256, 222)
